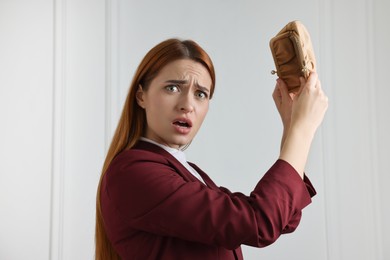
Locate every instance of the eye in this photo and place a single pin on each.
(172, 88)
(201, 94)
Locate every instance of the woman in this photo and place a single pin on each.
(153, 204)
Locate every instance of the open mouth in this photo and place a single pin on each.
(183, 123)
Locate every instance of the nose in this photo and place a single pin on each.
(186, 104)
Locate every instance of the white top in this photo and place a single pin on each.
(179, 155)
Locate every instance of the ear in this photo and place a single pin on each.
(140, 96)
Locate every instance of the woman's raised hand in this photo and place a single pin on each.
(310, 105)
(307, 109)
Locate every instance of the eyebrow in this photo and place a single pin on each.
(183, 82)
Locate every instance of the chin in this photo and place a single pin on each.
(181, 141)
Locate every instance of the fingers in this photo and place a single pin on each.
(281, 91)
(283, 88)
(281, 95)
(312, 80)
(318, 85)
(276, 95)
(303, 83)
(312, 83)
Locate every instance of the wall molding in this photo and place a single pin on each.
(112, 106)
(331, 184)
(58, 130)
(373, 130)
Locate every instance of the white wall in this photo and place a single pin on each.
(26, 77)
(65, 66)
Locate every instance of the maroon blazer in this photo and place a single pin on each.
(153, 208)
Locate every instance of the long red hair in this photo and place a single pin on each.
(132, 122)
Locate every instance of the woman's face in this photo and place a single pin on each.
(176, 102)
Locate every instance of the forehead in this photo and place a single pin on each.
(186, 69)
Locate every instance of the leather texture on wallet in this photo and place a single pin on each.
(293, 54)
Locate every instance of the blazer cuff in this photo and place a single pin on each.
(309, 186)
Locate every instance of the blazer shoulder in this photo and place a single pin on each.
(137, 156)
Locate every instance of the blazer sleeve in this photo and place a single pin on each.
(282, 195)
(150, 196)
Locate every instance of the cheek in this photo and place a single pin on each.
(152, 114)
(155, 105)
(203, 111)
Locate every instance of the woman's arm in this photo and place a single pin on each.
(301, 115)
(143, 192)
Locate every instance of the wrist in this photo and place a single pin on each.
(302, 129)
(296, 146)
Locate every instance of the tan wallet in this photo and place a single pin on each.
(293, 54)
